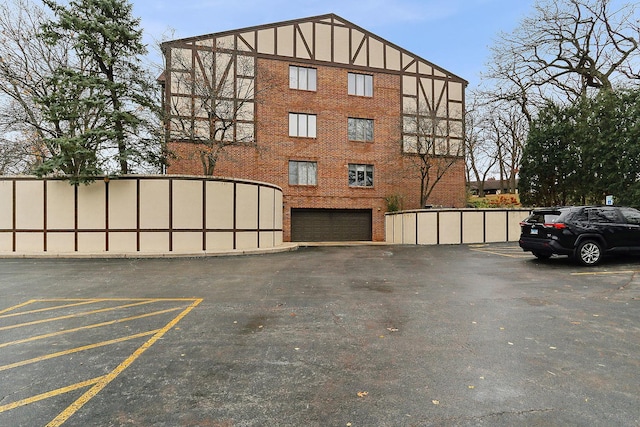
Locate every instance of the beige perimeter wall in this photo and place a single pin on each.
(454, 226)
(138, 215)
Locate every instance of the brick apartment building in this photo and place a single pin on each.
(322, 108)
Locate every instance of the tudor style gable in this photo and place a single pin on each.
(210, 80)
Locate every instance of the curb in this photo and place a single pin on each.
(286, 247)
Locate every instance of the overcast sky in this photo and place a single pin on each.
(454, 34)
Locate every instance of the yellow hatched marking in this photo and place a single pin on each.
(105, 380)
(95, 325)
(98, 383)
(69, 316)
(15, 307)
(76, 350)
(49, 394)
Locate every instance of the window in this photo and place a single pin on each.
(543, 218)
(602, 215)
(302, 125)
(360, 129)
(360, 175)
(631, 215)
(360, 84)
(302, 78)
(303, 173)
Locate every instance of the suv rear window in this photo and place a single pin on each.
(544, 217)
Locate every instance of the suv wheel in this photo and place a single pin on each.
(589, 252)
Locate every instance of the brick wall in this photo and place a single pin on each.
(393, 173)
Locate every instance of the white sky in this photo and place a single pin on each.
(454, 34)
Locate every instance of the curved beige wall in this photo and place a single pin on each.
(139, 215)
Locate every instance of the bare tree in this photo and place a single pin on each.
(565, 48)
(481, 152)
(14, 157)
(26, 62)
(496, 133)
(509, 129)
(212, 100)
(428, 144)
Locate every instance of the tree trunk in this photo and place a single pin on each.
(208, 160)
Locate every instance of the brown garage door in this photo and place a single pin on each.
(330, 225)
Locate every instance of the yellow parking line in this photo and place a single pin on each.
(96, 299)
(499, 253)
(69, 316)
(40, 310)
(76, 350)
(70, 299)
(15, 307)
(604, 273)
(103, 381)
(49, 394)
(112, 299)
(95, 325)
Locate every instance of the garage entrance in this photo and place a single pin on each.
(330, 225)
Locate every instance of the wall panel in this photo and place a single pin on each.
(496, 226)
(154, 204)
(91, 206)
(187, 204)
(61, 242)
(123, 199)
(267, 208)
(6, 242)
(427, 228)
(6, 201)
(246, 206)
(220, 208)
(60, 205)
(473, 227)
(29, 205)
(29, 242)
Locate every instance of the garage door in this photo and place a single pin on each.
(330, 225)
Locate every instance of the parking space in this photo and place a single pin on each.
(628, 265)
(323, 336)
(68, 350)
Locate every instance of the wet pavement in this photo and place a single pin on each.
(478, 335)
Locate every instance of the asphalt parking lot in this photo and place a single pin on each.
(478, 335)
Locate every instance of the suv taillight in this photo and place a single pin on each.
(556, 225)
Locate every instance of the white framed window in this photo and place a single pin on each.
(360, 84)
(303, 125)
(302, 78)
(303, 173)
(360, 129)
(360, 175)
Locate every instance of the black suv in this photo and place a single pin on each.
(583, 232)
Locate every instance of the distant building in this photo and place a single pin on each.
(491, 187)
(320, 107)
